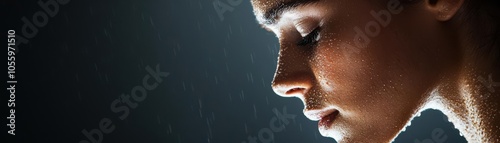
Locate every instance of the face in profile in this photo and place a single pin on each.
(362, 68)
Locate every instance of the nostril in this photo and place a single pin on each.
(292, 85)
(295, 91)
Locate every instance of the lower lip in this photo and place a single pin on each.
(327, 121)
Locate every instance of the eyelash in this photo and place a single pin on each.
(310, 39)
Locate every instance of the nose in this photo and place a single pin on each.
(291, 85)
(293, 76)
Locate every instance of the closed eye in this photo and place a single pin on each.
(310, 39)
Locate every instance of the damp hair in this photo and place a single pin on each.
(481, 18)
(484, 14)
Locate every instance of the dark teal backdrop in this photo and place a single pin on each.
(88, 63)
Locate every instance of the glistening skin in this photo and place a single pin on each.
(365, 84)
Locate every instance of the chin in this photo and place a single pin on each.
(348, 134)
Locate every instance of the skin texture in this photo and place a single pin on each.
(424, 57)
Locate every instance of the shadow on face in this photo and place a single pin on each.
(362, 68)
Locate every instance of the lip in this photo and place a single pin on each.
(326, 121)
(324, 116)
(315, 114)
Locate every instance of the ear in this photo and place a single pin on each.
(443, 10)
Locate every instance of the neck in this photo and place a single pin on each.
(469, 93)
(471, 100)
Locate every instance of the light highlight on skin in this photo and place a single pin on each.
(411, 65)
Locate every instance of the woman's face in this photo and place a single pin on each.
(362, 68)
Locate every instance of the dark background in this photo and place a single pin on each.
(218, 89)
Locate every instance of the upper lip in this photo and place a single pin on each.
(316, 115)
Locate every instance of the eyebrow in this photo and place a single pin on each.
(273, 14)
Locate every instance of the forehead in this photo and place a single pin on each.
(267, 11)
(266, 4)
(261, 7)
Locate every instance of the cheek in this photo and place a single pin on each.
(376, 88)
(367, 97)
(376, 82)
